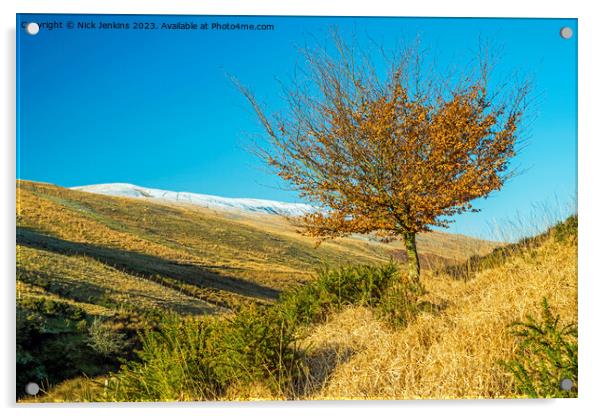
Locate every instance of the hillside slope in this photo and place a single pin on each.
(453, 347)
(92, 270)
(218, 258)
(454, 351)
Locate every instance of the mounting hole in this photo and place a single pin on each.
(32, 28)
(566, 32)
(566, 384)
(32, 389)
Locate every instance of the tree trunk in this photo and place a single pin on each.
(413, 262)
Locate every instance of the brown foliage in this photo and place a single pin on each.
(393, 153)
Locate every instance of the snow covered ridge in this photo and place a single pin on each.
(207, 201)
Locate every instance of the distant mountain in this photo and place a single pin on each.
(207, 201)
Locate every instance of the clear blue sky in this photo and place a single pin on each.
(155, 107)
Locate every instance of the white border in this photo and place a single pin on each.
(590, 175)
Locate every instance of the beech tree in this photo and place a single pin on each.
(390, 147)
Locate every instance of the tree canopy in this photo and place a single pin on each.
(391, 148)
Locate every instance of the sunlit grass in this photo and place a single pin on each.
(112, 257)
(456, 351)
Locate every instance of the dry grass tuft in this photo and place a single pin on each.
(451, 353)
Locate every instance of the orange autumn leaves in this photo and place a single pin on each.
(393, 154)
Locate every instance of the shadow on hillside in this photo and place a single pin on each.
(147, 265)
(88, 292)
(321, 364)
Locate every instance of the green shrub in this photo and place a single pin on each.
(187, 359)
(257, 345)
(381, 287)
(58, 341)
(547, 354)
(174, 364)
(50, 345)
(334, 288)
(104, 340)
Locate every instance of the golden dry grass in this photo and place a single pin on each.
(453, 351)
(201, 251)
(84, 280)
(452, 354)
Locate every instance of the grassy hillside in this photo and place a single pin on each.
(219, 258)
(454, 351)
(461, 338)
(92, 267)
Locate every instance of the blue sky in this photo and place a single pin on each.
(156, 108)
